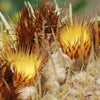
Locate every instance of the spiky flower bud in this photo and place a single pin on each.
(76, 40)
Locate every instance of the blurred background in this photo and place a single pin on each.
(85, 7)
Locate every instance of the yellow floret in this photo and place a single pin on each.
(74, 37)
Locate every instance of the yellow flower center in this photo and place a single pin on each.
(25, 65)
(73, 38)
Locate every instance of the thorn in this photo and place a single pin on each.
(70, 13)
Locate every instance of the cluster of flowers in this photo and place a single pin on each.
(24, 50)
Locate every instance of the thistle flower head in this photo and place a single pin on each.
(25, 63)
(25, 31)
(48, 14)
(73, 38)
(25, 66)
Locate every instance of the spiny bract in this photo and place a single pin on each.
(73, 38)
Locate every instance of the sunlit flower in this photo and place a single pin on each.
(73, 38)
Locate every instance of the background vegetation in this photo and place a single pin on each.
(9, 7)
